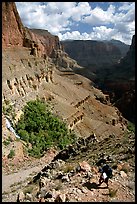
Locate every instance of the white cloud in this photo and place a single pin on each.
(59, 18)
(100, 17)
(98, 33)
(54, 16)
(126, 6)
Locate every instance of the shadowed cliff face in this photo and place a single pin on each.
(129, 59)
(123, 72)
(92, 54)
(120, 79)
(110, 71)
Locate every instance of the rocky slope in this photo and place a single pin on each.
(73, 174)
(35, 66)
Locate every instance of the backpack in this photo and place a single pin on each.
(108, 170)
(109, 173)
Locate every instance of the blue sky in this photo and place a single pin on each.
(81, 20)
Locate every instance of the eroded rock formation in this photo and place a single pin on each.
(21, 86)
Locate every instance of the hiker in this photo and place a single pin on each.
(106, 173)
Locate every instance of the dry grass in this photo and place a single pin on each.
(112, 192)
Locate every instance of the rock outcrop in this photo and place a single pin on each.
(41, 42)
(75, 171)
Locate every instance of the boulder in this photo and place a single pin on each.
(84, 166)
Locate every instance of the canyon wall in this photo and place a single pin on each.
(40, 42)
(121, 81)
(92, 54)
(12, 27)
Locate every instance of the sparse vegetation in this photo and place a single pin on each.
(112, 192)
(68, 168)
(131, 127)
(29, 189)
(42, 129)
(11, 154)
(7, 141)
(125, 170)
(16, 183)
(58, 186)
(8, 110)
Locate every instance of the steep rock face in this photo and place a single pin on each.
(124, 72)
(122, 46)
(92, 54)
(126, 104)
(14, 33)
(42, 41)
(26, 75)
(12, 27)
(121, 80)
(49, 41)
(48, 45)
(129, 59)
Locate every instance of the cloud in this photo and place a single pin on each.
(54, 16)
(100, 17)
(126, 6)
(98, 33)
(81, 20)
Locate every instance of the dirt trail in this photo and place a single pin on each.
(20, 178)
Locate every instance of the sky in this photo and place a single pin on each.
(81, 20)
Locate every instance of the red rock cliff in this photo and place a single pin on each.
(15, 34)
(12, 27)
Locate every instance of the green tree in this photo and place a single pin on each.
(41, 128)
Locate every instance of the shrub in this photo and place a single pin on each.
(40, 127)
(11, 154)
(9, 110)
(131, 127)
(112, 192)
(68, 168)
(28, 189)
(6, 142)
